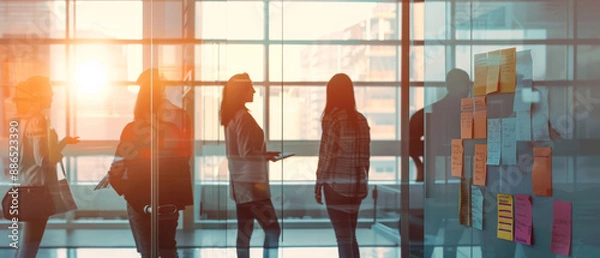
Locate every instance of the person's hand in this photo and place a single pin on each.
(318, 193)
(270, 155)
(71, 140)
(117, 168)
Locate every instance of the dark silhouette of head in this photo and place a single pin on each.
(150, 96)
(234, 96)
(458, 83)
(340, 94)
(33, 95)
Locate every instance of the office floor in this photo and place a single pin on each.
(118, 243)
(284, 252)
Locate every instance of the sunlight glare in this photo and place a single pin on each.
(91, 77)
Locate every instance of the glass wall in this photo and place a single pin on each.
(515, 181)
(94, 62)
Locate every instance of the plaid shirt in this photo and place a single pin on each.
(344, 154)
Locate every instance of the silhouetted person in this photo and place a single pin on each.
(40, 152)
(445, 126)
(173, 155)
(458, 85)
(247, 161)
(343, 167)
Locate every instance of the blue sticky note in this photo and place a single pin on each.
(509, 141)
(476, 207)
(494, 143)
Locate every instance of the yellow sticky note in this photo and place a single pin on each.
(493, 71)
(505, 217)
(508, 70)
(480, 77)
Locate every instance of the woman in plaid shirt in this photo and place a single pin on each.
(343, 167)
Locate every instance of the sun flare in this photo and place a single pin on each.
(91, 77)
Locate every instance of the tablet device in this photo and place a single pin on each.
(284, 155)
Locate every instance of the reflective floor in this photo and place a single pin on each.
(286, 252)
(202, 238)
(118, 243)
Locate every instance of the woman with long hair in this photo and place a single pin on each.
(172, 155)
(40, 151)
(343, 166)
(247, 161)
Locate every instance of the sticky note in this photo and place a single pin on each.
(505, 217)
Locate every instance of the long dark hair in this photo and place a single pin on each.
(150, 98)
(233, 96)
(340, 94)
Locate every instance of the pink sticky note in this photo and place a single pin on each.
(561, 228)
(523, 219)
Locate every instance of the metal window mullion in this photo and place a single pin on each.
(404, 102)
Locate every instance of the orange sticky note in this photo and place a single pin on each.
(466, 125)
(457, 157)
(480, 124)
(466, 118)
(541, 172)
(479, 103)
(508, 70)
(493, 71)
(480, 77)
(479, 165)
(479, 118)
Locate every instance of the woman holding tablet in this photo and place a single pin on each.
(247, 160)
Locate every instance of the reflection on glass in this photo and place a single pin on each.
(587, 18)
(211, 169)
(435, 58)
(302, 169)
(36, 19)
(509, 20)
(303, 108)
(95, 65)
(92, 168)
(370, 21)
(100, 114)
(125, 19)
(229, 20)
(588, 57)
(208, 101)
(220, 61)
(320, 62)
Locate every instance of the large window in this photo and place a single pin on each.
(94, 63)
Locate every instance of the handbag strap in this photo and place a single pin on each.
(48, 135)
(62, 168)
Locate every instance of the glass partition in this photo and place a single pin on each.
(485, 194)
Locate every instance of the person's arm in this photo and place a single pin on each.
(327, 149)
(368, 150)
(67, 140)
